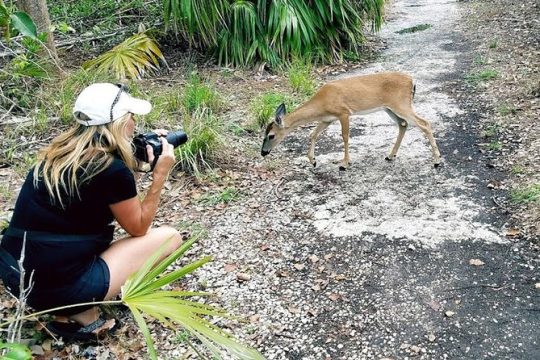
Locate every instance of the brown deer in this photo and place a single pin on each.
(340, 99)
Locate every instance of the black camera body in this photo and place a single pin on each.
(175, 138)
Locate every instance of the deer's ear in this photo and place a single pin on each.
(280, 114)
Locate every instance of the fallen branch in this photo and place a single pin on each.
(15, 328)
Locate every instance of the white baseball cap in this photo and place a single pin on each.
(102, 103)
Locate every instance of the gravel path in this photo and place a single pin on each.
(385, 260)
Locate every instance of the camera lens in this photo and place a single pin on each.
(176, 138)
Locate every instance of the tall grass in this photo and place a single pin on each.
(299, 73)
(203, 130)
(199, 95)
(264, 107)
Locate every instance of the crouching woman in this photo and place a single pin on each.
(83, 181)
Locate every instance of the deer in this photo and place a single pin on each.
(340, 99)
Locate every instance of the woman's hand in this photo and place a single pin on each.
(162, 133)
(165, 161)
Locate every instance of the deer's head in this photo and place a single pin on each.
(275, 131)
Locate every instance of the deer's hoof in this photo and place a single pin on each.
(314, 164)
(389, 158)
(342, 168)
(436, 165)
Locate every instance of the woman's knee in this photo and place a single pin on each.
(170, 235)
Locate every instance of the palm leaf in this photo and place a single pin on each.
(142, 295)
(135, 57)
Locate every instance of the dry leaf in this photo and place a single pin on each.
(512, 232)
(334, 296)
(340, 277)
(254, 318)
(47, 345)
(299, 267)
(316, 288)
(264, 247)
(294, 310)
(313, 258)
(434, 305)
(476, 262)
(282, 274)
(230, 267)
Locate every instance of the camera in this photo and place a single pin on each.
(175, 138)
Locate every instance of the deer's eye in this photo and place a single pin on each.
(271, 136)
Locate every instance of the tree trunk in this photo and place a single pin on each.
(37, 9)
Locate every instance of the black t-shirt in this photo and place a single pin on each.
(88, 214)
(61, 241)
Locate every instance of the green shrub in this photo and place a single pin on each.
(271, 32)
(203, 130)
(199, 96)
(300, 78)
(478, 77)
(227, 195)
(264, 107)
(526, 194)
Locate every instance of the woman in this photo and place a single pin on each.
(82, 182)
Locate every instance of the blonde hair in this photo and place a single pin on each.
(79, 154)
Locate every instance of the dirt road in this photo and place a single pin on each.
(385, 260)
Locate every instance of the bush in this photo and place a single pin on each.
(203, 129)
(245, 32)
(264, 107)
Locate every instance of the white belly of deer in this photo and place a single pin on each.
(365, 111)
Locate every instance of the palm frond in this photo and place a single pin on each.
(135, 57)
(197, 21)
(142, 295)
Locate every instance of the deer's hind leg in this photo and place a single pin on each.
(344, 120)
(402, 126)
(425, 126)
(313, 138)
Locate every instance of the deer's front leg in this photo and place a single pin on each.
(313, 138)
(344, 120)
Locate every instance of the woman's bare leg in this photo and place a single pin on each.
(127, 255)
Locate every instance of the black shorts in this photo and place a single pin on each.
(92, 285)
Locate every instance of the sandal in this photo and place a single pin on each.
(75, 331)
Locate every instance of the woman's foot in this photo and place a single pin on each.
(75, 331)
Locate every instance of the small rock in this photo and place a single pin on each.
(243, 277)
(37, 350)
(449, 313)
(476, 262)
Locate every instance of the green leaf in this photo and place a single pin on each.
(15, 352)
(142, 294)
(146, 332)
(24, 24)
